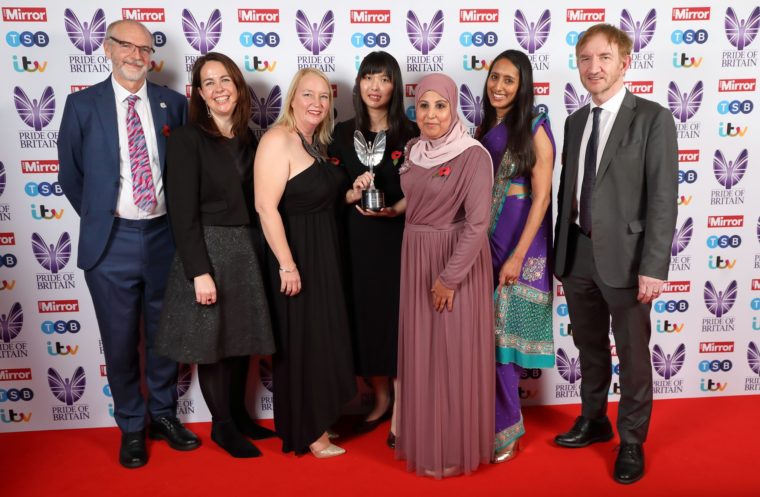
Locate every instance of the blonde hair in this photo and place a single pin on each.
(323, 133)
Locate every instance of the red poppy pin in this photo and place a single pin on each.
(166, 130)
(443, 172)
(395, 156)
(335, 161)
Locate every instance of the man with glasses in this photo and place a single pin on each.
(111, 149)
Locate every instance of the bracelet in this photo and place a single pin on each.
(283, 270)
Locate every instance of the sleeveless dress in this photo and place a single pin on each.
(313, 372)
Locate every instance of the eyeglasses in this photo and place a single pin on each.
(125, 45)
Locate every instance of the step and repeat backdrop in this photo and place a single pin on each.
(697, 58)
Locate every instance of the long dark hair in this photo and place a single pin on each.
(199, 112)
(518, 119)
(400, 128)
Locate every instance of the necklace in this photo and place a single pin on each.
(310, 148)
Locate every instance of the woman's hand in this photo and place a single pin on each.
(394, 210)
(510, 270)
(290, 280)
(205, 289)
(361, 183)
(442, 297)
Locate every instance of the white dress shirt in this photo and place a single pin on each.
(125, 205)
(607, 117)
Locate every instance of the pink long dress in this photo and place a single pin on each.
(446, 360)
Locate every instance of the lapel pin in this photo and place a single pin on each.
(162, 105)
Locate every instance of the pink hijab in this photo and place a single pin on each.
(429, 153)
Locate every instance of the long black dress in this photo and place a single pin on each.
(374, 258)
(313, 374)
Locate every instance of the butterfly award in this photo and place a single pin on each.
(370, 154)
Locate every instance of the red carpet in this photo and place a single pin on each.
(697, 447)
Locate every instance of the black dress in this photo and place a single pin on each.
(313, 375)
(209, 192)
(374, 258)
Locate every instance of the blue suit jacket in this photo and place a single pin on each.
(88, 153)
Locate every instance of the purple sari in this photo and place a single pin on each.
(524, 337)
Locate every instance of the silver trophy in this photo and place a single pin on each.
(370, 154)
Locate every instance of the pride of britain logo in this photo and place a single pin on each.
(87, 37)
(265, 111)
(532, 35)
(728, 173)
(642, 33)
(315, 38)
(202, 36)
(36, 113)
(424, 37)
(719, 303)
(740, 34)
(569, 368)
(684, 106)
(667, 366)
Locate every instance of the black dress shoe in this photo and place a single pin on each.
(132, 452)
(177, 436)
(391, 440)
(629, 465)
(585, 432)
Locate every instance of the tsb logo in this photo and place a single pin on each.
(689, 36)
(671, 306)
(259, 39)
(27, 39)
(478, 39)
(724, 241)
(60, 327)
(715, 366)
(44, 189)
(735, 106)
(16, 395)
(370, 40)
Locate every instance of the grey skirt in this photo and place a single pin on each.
(238, 324)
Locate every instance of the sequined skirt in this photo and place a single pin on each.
(238, 324)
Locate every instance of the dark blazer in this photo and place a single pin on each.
(88, 155)
(635, 195)
(204, 188)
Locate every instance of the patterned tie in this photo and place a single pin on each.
(589, 174)
(143, 191)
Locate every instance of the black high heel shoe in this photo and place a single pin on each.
(391, 440)
(365, 426)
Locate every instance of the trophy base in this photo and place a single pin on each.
(373, 200)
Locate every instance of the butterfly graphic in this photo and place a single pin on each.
(532, 36)
(315, 38)
(86, 37)
(682, 237)
(719, 303)
(668, 365)
(204, 36)
(741, 33)
(11, 323)
(184, 379)
(684, 106)
(472, 106)
(573, 101)
(640, 32)
(265, 112)
(757, 230)
(36, 114)
(424, 37)
(2, 178)
(730, 173)
(52, 257)
(67, 390)
(753, 357)
(569, 369)
(265, 374)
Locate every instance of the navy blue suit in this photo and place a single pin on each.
(126, 262)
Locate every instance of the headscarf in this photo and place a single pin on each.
(429, 153)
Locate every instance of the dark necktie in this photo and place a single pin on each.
(589, 174)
